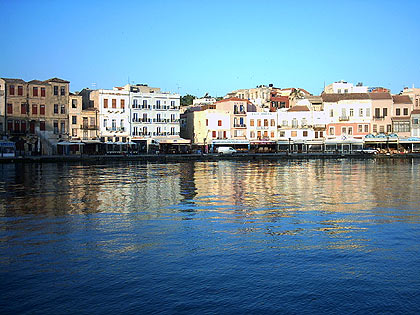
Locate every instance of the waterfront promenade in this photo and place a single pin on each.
(200, 157)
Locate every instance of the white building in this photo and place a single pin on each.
(154, 115)
(343, 87)
(261, 126)
(113, 114)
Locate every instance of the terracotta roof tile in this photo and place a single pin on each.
(380, 96)
(299, 108)
(342, 97)
(11, 80)
(401, 99)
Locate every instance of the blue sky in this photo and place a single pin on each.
(212, 46)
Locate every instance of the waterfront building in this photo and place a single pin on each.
(154, 116)
(382, 105)
(349, 114)
(205, 100)
(262, 131)
(113, 115)
(343, 87)
(402, 107)
(34, 113)
(415, 123)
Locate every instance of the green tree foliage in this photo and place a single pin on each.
(187, 99)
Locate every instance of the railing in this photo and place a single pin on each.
(344, 118)
(379, 117)
(239, 125)
(88, 127)
(239, 112)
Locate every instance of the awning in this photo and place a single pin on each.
(172, 141)
(69, 143)
(91, 141)
(229, 141)
(263, 142)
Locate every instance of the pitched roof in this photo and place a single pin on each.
(341, 97)
(232, 99)
(58, 80)
(299, 108)
(10, 80)
(401, 99)
(36, 82)
(415, 112)
(380, 96)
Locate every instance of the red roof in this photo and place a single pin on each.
(233, 99)
(299, 108)
(401, 99)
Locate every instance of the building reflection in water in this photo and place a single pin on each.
(278, 198)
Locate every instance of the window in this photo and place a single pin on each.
(361, 112)
(339, 91)
(351, 112)
(158, 104)
(367, 112)
(332, 113)
(282, 134)
(73, 103)
(294, 133)
(11, 90)
(34, 109)
(92, 121)
(294, 123)
(273, 123)
(401, 126)
(172, 104)
(265, 122)
(114, 124)
(55, 108)
(62, 127)
(42, 92)
(251, 122)
(35, 91)
(397, 112)
(105, 103)
(144, 103)
(272, 134)
(375, 128)
(56, 91)
(415, 121)
(42, 109)
(405, 111)
(114, 103)
(346, 90)
(74, 120)
(367, 128)
(74, 132)
(10, 108)
(122, 103)
(63, 90)
(360, 128)
(20, 90)
(384, 112)
(284, 123)
(10, 125)
(305, 133)
(63, 109)
(388, 128)
(42, 125)
(105, 123)
(259, 122)
(122, 124)
(332, 131)
(343, 130)
(23, 108)
(213, 134)
(377, 112)
(252, 134)
(265, 134)
(219, 122)
(350, 130)
(55, 124)
(207, 122)
(381, 129)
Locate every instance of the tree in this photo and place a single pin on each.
(187, 99)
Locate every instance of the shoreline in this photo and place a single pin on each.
(198, 157)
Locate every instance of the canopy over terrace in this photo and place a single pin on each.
(344, 144)
(412, 144)
(173, 144)
(70, 147)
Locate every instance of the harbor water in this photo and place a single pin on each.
(290, 236)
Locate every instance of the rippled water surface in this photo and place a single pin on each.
(339, 236)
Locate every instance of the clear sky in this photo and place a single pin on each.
(212, 46)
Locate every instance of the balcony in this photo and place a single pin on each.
(88, 127)
(344, 118)
(239, 112)
(239, 125)
(378, 117)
